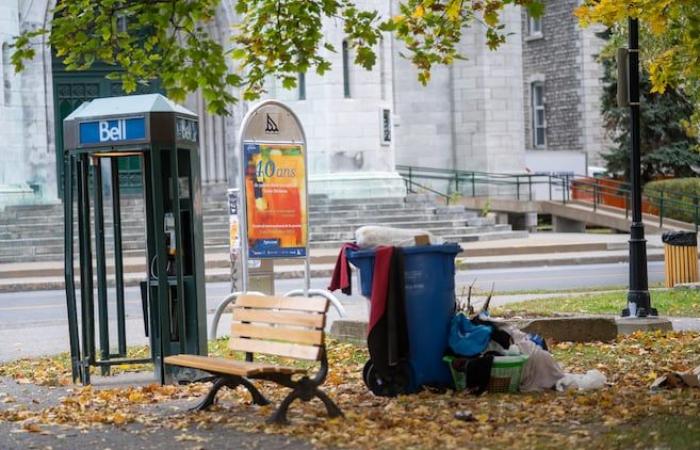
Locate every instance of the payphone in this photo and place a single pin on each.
(165, 137)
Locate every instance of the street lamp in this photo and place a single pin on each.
(638, 298)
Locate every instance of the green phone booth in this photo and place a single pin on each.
(164, 136)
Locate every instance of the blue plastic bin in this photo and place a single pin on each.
(430, 305)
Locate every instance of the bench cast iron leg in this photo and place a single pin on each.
(305, 391)
(280, 416)
(211, 395)
(331, 407)
(231, 383)
(257, 397)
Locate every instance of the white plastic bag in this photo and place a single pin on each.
(374, 235)
(589, 381)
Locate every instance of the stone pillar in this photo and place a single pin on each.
(564, 225)
(17, 145)
(488, 100)
(470, 115)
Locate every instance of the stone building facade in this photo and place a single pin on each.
(474, 115)
(562, 79)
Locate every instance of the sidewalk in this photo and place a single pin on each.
(538, 249)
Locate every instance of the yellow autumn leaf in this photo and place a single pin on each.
(419, 12)
(119, 418)
(453, 9)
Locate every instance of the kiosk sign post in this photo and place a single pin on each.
(274, 187)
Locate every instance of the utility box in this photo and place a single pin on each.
(165, 138)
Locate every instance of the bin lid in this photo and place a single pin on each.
(680, 238)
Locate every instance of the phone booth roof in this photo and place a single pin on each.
(129, 121)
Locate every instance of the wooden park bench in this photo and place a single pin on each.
(290, 327)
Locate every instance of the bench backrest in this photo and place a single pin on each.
(282, 326)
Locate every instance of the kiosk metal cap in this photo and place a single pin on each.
(128, 120)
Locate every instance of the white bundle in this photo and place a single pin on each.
(374, 235)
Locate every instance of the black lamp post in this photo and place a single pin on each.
(638, 299)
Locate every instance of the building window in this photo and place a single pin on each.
(122, 24)
(534, 26)
(302, 86)
(538, 122)
(346, 70)
(6, 73)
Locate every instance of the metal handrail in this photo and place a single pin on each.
(571, 185)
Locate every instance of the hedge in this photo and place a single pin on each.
(680, 196)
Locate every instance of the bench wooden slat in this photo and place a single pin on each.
(302, 319)
(314, 304)
(228, 366)
(298, 336)
(288, 350)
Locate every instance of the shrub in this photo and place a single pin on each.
(680, 197)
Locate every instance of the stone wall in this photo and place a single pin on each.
(563, 58)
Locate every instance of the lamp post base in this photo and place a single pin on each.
(639, 305)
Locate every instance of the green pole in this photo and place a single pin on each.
(118, 258)
(72, 310)
(103, 313)
(86, 295)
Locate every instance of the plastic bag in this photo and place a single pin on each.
(680, 238)
(374, 235)
(589, 381)
(467, 339)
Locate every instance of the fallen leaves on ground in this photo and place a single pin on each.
(425, 420)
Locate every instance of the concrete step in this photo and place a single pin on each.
(365, 212)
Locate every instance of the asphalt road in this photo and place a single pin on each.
(34, 323)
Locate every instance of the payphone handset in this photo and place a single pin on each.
(170, 241)
(170, 244)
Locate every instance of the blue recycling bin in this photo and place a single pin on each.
(430, 305)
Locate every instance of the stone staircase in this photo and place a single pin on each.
(35, 233)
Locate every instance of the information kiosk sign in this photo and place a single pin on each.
(274, 183)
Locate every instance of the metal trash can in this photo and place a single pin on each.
(680, 257)
(430, 305)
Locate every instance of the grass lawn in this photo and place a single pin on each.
(623, 415)
(682, 303)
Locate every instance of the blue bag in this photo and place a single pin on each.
(467, 339)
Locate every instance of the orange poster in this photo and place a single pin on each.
(275, 190)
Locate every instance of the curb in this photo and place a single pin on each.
(296, 273)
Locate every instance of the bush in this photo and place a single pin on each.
(680, 197)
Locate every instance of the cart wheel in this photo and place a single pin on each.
(365, 371)
(391, 386)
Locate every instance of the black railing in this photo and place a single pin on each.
(564, 188)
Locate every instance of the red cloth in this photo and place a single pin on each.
(380, 284)
(341, 273)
